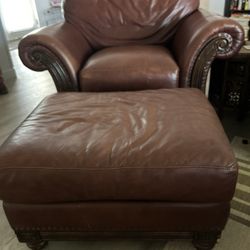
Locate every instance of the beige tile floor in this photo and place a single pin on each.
(24, 94)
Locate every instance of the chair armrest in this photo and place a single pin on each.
(201, 38)
(61, 49)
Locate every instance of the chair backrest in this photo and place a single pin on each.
(124, 22)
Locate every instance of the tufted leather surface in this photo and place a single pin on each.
(165, 145)
(130, 68)
(117, 22)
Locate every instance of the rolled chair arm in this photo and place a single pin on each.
(201, 38)
(61, 49)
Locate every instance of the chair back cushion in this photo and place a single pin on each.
(123, 22)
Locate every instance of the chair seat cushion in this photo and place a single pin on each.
(130, 68)
(155, 145)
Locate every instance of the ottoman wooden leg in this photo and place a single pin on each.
(205, 240)
(32, 239)
(37, 245)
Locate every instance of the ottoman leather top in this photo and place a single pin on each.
(162, 145)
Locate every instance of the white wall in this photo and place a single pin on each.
(217, 6)
(41, 6)
(5, 60)
(204, 4)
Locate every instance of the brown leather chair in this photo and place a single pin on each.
(131, 45)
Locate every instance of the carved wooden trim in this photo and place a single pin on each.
(55, 67)
(40, 58)
(217, 47)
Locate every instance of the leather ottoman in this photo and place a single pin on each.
(146, 164)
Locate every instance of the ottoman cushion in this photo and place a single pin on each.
(157, 145)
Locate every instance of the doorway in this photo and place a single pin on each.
(19, 17)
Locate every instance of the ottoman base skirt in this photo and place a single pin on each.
(37, 224)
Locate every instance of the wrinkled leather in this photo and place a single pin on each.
(129, 68)
(162, 145)
(118, 217)
(65, 43)
(195, 32)
(108, 23)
